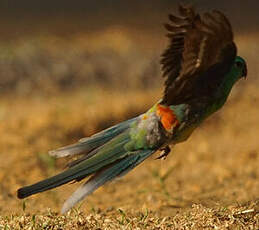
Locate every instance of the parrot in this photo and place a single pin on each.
(200, 67)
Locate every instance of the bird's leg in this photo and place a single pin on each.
(165, 151)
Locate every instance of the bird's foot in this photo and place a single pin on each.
(165, 151)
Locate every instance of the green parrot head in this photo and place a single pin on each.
(239, 68)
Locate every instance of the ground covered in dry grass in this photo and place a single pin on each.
(197, 217)
(209, 182)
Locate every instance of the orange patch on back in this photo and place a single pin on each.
(168, 118)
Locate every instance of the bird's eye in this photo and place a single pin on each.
(239, 64)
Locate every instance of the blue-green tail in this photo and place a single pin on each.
(105, 157)
(87, 145)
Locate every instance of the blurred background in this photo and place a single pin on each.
(62, 45)
(71, 68)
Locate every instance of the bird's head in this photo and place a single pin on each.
(240, 67)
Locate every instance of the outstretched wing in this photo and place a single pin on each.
(200, 53)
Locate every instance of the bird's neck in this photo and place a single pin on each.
(225, 87)
(222, 93)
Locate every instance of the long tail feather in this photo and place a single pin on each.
(105, 158)
(109, 153)
(86, 145)
(119, 168)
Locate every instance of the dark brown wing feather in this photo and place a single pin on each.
(200, 53)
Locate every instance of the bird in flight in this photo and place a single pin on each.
(200, 67)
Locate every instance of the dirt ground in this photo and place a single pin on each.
(210, 181)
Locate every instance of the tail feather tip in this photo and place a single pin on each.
(21, 194)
